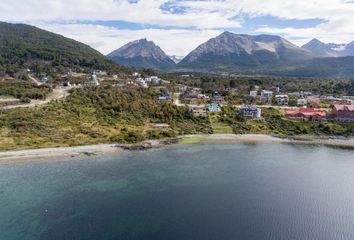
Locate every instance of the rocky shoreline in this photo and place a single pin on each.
(146, 145)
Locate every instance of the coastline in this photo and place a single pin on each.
(94, 150)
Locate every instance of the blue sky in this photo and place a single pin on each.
(179, 26)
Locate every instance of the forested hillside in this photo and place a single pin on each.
(27, 46)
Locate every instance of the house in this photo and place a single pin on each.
(251, 112)
(213, 107)
(266, 96)
(217, 99)
(274, 90)
(182, 89)
(306, 94)
(313, 102)
(141, 82)
(253, 93)
(301, 102)
(307, 114)
(164, 98)
(44, 80)
(191, 101)
(282, 100)
(343, 113)
(199, 111)
(93, 76)
(203, 97)
(153, 80)
(136, 75)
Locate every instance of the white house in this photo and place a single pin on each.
(282, 100)
(301, 102)
(251, 112)
(253, 93)
(266, 96)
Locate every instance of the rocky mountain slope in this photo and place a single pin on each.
(230, 50)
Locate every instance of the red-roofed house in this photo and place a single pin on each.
(307, 114)
(343, 113)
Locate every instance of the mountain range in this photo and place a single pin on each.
(22, 46)
(246, 54)
(230, 50)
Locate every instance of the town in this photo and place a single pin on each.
(297, 106)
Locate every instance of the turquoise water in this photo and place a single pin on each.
(203, 191)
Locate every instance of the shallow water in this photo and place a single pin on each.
(203, 191)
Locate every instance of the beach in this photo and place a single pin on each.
(93, 150)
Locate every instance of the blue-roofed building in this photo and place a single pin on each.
(213, 107)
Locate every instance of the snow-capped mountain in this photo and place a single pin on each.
(230, 50)
(322, 49)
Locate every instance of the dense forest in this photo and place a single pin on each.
(245, 84)
(23, 46)
(24, 90)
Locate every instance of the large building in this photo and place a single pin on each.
(307, 114)
(343, 113)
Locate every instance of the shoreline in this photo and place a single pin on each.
(99, 149)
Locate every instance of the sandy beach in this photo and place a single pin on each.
(56, 153)
(94, 150)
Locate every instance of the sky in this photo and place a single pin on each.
(179, 26)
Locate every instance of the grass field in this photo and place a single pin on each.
(218, 126)
(191, 140)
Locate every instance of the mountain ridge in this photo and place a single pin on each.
(232, 50)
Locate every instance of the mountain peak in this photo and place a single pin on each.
(313, 42)
(329, 49)
(227, 33)
(142, 53)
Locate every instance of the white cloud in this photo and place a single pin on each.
(143, 12)
(107, 39)
(194, 21)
